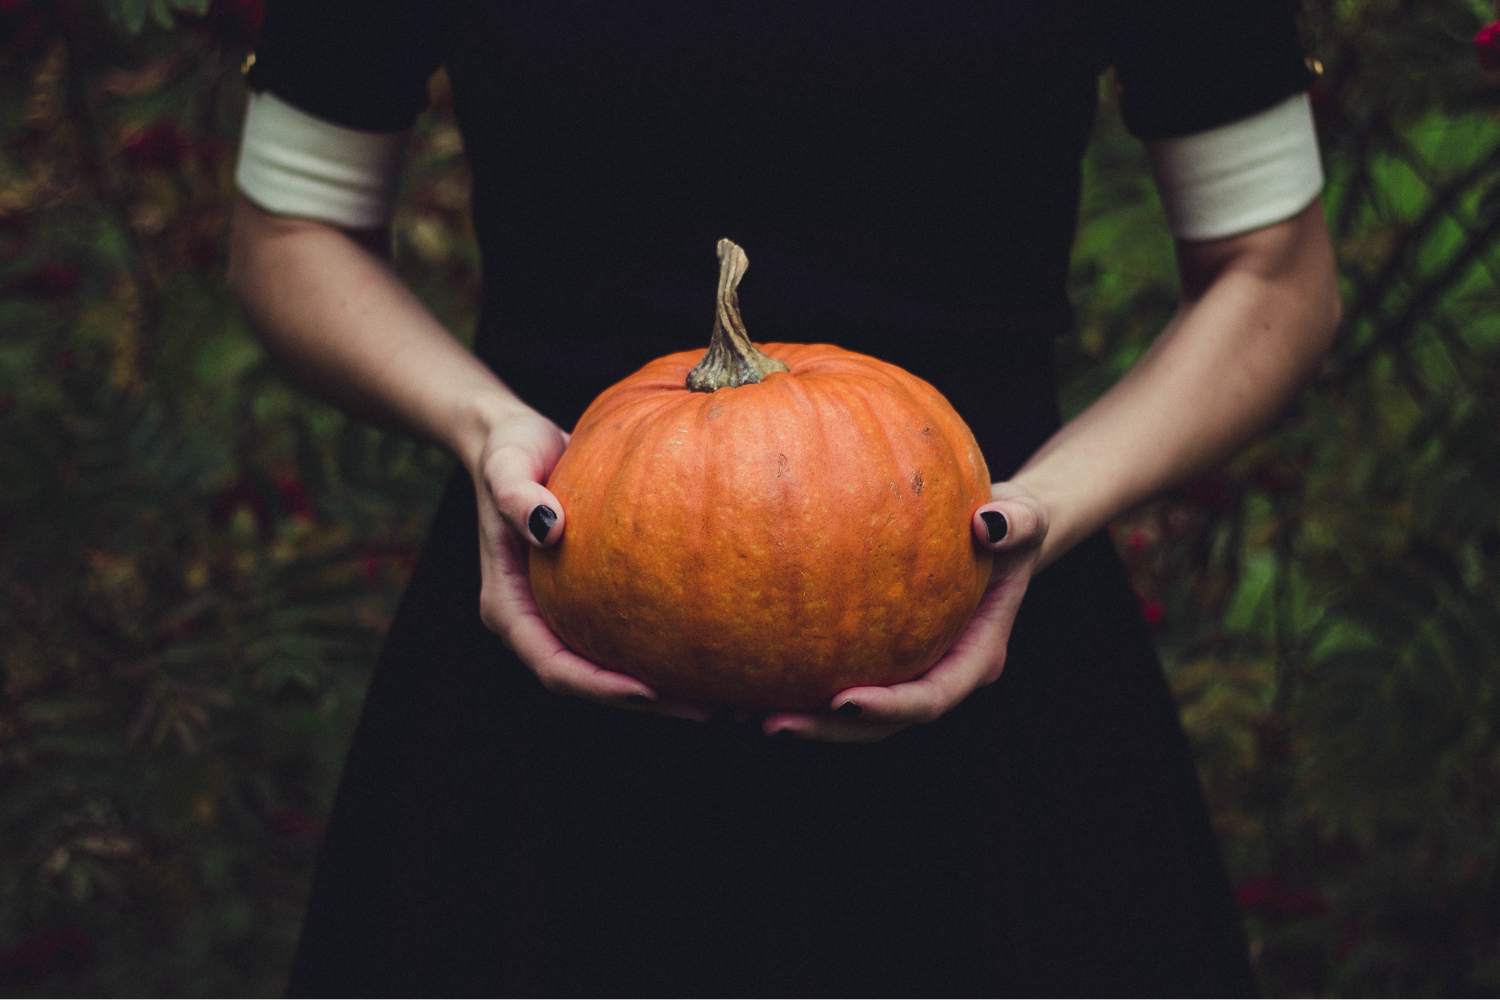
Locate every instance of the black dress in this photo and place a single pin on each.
(905, 180)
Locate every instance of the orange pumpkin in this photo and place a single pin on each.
(765, 528)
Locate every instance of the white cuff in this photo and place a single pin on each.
(292, 163)
(1240, 176)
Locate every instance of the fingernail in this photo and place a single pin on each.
(994, 522)
(541, 521)
(638, 699)
(848, 710)
(783, 734)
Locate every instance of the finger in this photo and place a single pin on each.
(976, 659)
(512, 476)
(509, 609)
(564, 672)
(1008, 525)
(923, 700)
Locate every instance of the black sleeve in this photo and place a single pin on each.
(359, 63)
(1189, 65)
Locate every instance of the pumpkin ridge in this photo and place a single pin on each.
(801, 606)
(848, 613)
(906, 458)
(896, 550)
(721, 549)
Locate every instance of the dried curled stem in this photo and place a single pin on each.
(732, 360)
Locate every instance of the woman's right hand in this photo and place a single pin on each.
(517, 511)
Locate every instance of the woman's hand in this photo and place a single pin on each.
(1012, 525)
(516, 510)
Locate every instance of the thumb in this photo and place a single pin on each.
(1009, 525)
(512, 474)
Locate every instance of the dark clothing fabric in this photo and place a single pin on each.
(905, 181)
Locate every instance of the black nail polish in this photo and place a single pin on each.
(995, 522)
(848, 710)
(541, 521)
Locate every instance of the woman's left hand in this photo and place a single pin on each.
(866, 714)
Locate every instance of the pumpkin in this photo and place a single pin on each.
(765, 527)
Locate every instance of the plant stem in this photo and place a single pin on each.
(732, 360)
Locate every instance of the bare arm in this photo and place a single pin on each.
(1258, 312)
(326, 303)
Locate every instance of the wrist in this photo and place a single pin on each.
(479, 417)
(1068, 514)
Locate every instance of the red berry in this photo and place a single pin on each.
(1487, 46)
(293, 496)
(158, 146)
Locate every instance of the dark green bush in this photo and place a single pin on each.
(198, 561)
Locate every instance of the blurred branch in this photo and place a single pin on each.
(1466, 362)
(1359, 182)
(1274, 759)
(1421, 301)
(88, 130)
(1423, 169)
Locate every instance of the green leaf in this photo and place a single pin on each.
(1342, 636)
(161, 13)
(129, 14)
(223, 357)
(1250, 607)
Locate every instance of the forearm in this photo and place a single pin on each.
(1255, 320)
(352, 333)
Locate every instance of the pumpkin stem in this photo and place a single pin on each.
(731, 359)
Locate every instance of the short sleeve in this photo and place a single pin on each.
(361, 64)
(1216, 89)
(1240, 176)
(1185, 66)
(334, 87)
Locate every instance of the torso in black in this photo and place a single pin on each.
(905, 180)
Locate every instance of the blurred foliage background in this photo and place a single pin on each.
(198, 561)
